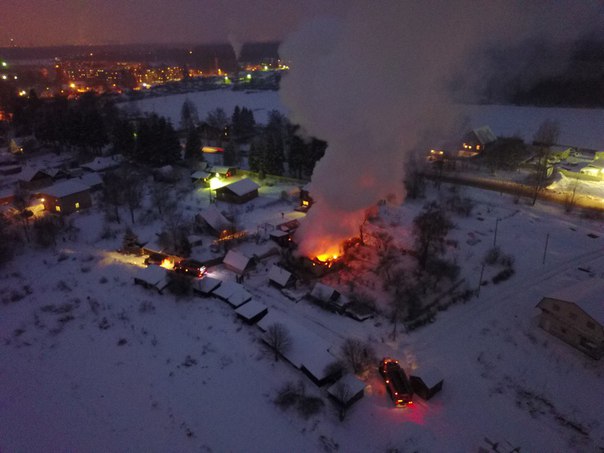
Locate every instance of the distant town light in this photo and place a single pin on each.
(4, 64)
(249, 76)
(4, 77)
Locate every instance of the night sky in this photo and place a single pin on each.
(55, 22)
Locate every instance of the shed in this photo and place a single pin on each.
(92, 180)
(575, 314)
(347, 390)
(252, 311)
(236, 262)
(238, 192)
(426, 382)
(206, 285)
(201, 177)
(328, 297)
(66, 197)
(233, 293)
(223, 172)
(280, 277)
(152, 277)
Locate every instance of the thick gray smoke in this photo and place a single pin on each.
(373, 81)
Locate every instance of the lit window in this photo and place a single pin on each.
(58, 208)
(77, 205)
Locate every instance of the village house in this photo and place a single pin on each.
(223, 172)
(575, 314)
(279, 277)
(475, 141)
(32, 178)
(238, 192)
(66, 197)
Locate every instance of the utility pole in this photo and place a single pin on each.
(495, 235)
(545, 249)
(480, 281)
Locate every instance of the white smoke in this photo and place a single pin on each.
(236, 44)
(372, 82)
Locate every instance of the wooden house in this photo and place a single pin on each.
(66, 197)
(33, 179)
(252, 311)
(238, 192)
(475, 141)
(575, 314)
(223, 172)
(212, 221)
(279, 277)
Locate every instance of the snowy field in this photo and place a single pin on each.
(578, 127)
(260, 102)
(92, 362)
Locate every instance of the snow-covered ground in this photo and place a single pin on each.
(92, 362)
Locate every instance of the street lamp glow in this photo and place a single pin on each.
(4, 64)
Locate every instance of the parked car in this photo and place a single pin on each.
(397, 384)
(190, 267)
(156, 258)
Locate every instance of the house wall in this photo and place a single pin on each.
(230, 197)
(67, 204)
(571, 324)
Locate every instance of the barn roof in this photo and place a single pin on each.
(241, 187)
(200, 174)
(587, 294)
(279, 275)
(64, 188)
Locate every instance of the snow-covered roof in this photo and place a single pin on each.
(28, 173)
(307, 349)
(279, 275)
(236, 260)
(153, 275)
(221, 169)
(484, 135)
(251, 309)
(102, 163)
(241, 187)
(234, 293)
(587, 294)
(285, 218)
(351, 385)
(429, 375)
(207, 284)
(91, 179)
(213, 217)
(323, 292)
(64, 188)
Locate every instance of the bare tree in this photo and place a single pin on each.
(430, 229)
(21, 198)
(46, 230)
(546, 136)
(358, 354)
(278, 339)
(133, 193)
(160, 195)
(113, 192)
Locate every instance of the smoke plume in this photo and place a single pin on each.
(374, 81)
